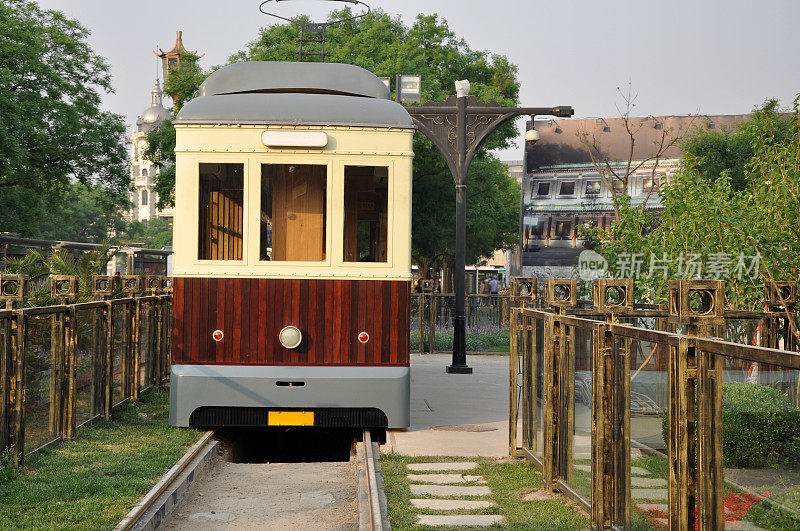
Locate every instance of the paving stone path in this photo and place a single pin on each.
(445, 482)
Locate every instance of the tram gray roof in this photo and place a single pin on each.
(294, 109)
(275, 76)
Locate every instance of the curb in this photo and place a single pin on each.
(156, 506)
(372, 514)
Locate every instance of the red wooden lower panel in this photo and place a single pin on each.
(251, 311)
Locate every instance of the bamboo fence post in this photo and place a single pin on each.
(512, 385)
(551, 399)
(159, 344)
(108, 376)
(57, 367)
(71, 355)
(97, 361)
(6, 372)
(18, 391)
(137, 349)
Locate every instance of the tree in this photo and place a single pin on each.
(87, 213)
(706, 216)
(385, 46)
(53, 129)
(615, 174)
(712, 154)
(153, 234)
(182, 85)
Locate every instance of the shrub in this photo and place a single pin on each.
(760, 426)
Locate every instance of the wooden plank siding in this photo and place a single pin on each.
(252, 311)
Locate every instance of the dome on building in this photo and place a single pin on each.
(155, 114)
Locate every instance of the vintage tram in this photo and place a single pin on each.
(292, 246)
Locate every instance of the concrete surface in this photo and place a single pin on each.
(444, 479)
(272, 496)
(449, 490)
(424, 467)
(451, 505)
(441, 399)
(459, 519)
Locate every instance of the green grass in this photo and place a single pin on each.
(92, 481)
(509, 481)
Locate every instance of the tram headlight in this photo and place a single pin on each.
(290, 337)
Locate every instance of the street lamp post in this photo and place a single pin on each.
(457, 127)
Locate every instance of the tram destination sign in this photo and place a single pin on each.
(278, 139)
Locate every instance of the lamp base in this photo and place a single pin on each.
(458, 369)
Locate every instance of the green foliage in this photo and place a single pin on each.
(493, 340)
(387, 47)
(161, 151)
(153, 234)
(53, 129)
(91, 482)
(61, 262)
(760, 427)
(707, 213)
(182, 86)
(87, 213)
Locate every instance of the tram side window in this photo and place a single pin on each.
(293, 203)
(221, 201)
(366, 201)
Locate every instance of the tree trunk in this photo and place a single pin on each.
(448, 264)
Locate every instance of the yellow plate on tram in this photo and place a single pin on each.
(290, 418)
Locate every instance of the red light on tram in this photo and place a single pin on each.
(363, 337)
(217, 335)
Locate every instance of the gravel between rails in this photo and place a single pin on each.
(282, 496)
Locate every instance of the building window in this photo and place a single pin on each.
(619, 186)
(366, 202)
(136, 171)
(537, 226)
(592, 187)
(650, 184)
(221, 202)
(543, 190)
(144, 172)
(563, 228)
(293, 207)
(144, 197)
(567, 188)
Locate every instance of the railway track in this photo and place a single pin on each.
(221, 481)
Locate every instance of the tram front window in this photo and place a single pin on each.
(293, 212)
(366, 199)
(220, 200)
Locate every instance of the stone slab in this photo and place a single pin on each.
(430, 467)
(444, 479)
(741, 525)
(451, 505)
(449, 490)
(648, 482)
(649, 494)
(459, 519)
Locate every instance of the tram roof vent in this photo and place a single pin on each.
(285, 77)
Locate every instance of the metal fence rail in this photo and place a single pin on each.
(67, 365)
(590, 392)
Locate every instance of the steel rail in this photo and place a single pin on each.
(166, 481)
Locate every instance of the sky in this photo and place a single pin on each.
(677, 56)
